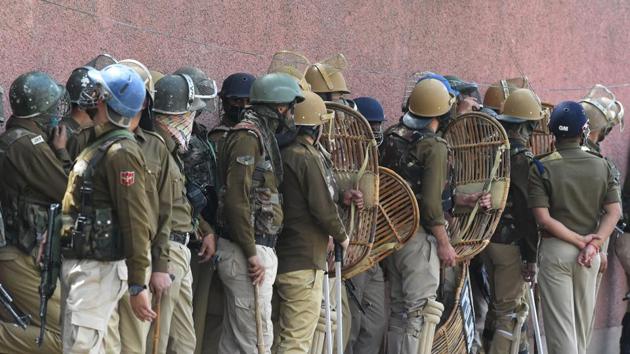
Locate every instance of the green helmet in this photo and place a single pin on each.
(34, 93)
(275, 88)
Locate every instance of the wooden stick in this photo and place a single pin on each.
(260, 340)
(156, 332)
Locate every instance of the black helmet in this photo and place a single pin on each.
(34, 93)
(567, 120)
(205, 88)
(77, 81)
(175, 94)
(237, 85)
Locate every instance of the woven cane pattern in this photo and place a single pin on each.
(540, 141)
(481, 162)
(354, 155)
(450, 336)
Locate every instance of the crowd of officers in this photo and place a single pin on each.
(173, 236)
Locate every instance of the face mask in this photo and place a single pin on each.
(233, 113)
(179, 127)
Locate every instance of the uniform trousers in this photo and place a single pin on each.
(568, 296)
(20, 276)
(622, 250)
(508, 294)
(90, 291)
(239, 325)
(368, 330)
(414, 276)
(300, 296)
(177, 330)
(207, 305)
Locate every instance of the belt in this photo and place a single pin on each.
(261, 240)
(181, 237)
(267, 240)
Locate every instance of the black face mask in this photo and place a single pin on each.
(233, 113)
(285, 136)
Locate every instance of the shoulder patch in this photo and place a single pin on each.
(552, 156)
(37, 140)
(127, 178)
(245, 160)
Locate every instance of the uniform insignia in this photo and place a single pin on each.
(245, 160)
(127, 178)
(37, 140)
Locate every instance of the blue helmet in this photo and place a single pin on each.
(443, 79)
(370, 108)
(567, 120)
(237, 85)
(122, 89)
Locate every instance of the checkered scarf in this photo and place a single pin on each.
(179, 127)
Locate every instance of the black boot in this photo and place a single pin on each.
(624, 342)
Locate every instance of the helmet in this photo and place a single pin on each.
(144, 73)
(77, 81)
(205, 88)
(325, 77)
(34, 93)
(521, 105)
(567, 120)
(370, 108)
(498, 92)
(275, 88)
(156, 75)
(461, 86)
(175, 94)
(123, 91)
(602, 108)
(430, 98)
(237, 85)
(312, 111)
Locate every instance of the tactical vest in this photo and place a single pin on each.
(262, 201)
(95, 233)
(200, 169)
(25, 219)
(396, 155)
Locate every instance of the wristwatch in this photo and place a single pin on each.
(136, 289)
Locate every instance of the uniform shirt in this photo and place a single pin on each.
(159, 191)
(31, 169)
(240, 153)
(574, 185)
(432, 154)
(119, 184)
(310, 211)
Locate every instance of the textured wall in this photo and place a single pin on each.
(564, 47)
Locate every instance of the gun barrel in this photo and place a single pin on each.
(7, 303)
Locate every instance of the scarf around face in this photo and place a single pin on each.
(179, 127)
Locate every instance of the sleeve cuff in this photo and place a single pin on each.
(160, 266)
(249, 249)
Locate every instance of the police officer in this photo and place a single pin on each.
(516, 236)
(328, 82)
(250, 210)
(413, 150)
(126, 333)
(106, 231)
(79, 119)
(32, 179)
(175, 105)
(468, 98)
(368, 322)
(310, 216)
(568, 190)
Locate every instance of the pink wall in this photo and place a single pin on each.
(564, 47)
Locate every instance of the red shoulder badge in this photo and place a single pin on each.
(127, 178)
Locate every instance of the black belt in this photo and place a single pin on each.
(261, 240)
(181, 237)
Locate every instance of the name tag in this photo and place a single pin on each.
(37, 140)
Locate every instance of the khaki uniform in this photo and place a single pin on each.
(368, 330)
(310, 216)
(176, 318)
(414, 270)
(514, 241)
(126, 333)
(574, 185)
(250, 217)
(91, 288)
(32, 179)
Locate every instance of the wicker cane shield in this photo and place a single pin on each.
(480, 162)
(541, 140)
(354, 155)
(398, 219)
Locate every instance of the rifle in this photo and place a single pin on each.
(7, 302)
(50, 264)
(350, 288)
